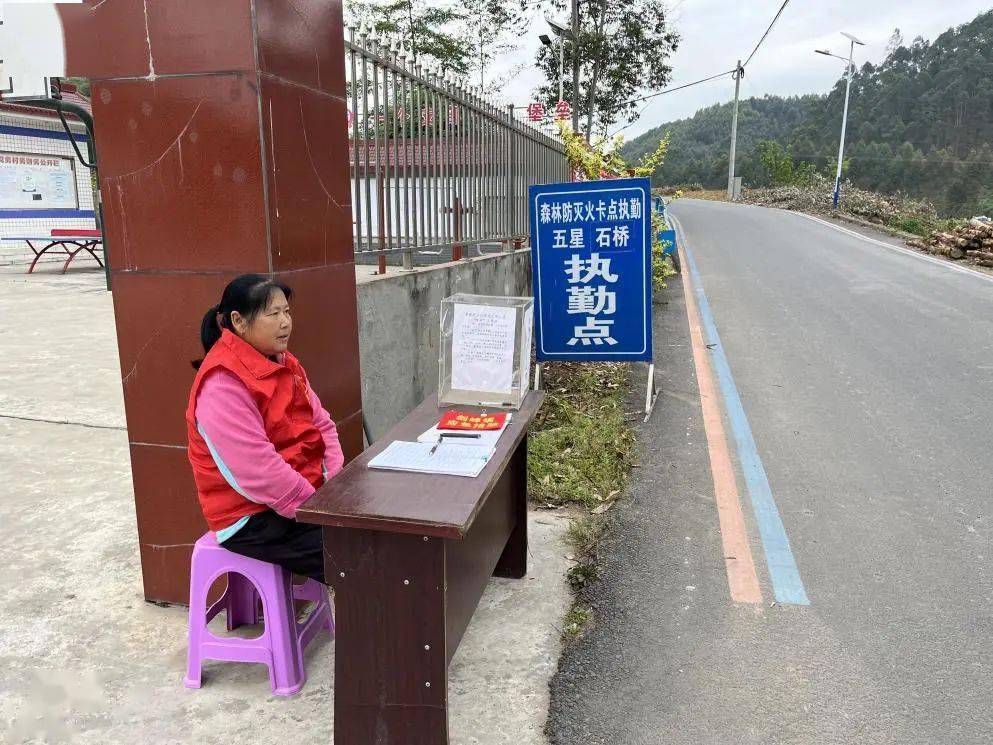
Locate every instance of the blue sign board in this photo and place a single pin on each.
(668, 240)
(659, 204)
(591, 260)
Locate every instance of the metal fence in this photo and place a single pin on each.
(439, 172)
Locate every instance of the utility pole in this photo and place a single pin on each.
(575, 65)
(739, 72)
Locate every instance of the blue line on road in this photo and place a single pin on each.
(786, 583)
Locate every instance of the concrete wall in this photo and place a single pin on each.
(399, 327)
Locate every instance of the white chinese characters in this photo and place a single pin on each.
(583, 270)
(613, 237)
(596, 331)
(601, 210)
(572, 238)
(591, 300)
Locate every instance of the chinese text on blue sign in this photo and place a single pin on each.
(592, 267)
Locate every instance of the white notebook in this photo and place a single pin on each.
(448, 459)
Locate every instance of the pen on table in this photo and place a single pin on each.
(456, 435)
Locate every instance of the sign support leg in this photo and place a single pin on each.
(652, 393)
(537, 376)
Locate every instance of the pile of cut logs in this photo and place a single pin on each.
(972, 241)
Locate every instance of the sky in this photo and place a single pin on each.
(715, 33)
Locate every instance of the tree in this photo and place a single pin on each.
(426, 30)
(462, 38)
(624, 47)
(895, 42)
(494, 26)
(602, 158)
(919, 123)
(777, 162)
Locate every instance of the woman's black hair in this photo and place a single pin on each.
(248, 294)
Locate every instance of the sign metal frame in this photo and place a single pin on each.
(628, 278)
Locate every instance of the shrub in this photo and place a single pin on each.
(917, 216)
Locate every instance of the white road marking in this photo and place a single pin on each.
(909, 252)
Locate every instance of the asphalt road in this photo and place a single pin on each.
(866, 376)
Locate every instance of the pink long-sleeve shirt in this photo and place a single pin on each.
(231, 425)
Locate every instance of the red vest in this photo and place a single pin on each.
(280, 392)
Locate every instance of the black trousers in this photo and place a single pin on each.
(267, 536)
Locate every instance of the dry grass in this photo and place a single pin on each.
(714, 195)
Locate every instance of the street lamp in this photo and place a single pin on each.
(563, 32)
(844, 117)
(548, 42)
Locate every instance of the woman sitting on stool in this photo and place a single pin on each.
(259, 440)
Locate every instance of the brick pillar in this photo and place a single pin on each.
(222, 145)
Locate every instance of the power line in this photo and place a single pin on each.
(739, 73)
(703, 80)
(776, 18)
(636, 118)
(720, 74)
(677, 88)
(661, 93)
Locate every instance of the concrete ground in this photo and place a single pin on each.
(83, 659)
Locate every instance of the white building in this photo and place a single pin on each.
(42, 183)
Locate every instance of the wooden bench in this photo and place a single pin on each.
(408, 556)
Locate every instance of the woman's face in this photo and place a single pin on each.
(269, 331)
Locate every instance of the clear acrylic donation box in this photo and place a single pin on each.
(485, 350)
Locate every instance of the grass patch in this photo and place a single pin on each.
(583, 537)
(914, 225)
(582, 574)
(581, 447)
(576, 620)
(580, 451)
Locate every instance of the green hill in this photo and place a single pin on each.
(921, 123)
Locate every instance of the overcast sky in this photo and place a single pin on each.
(716, 32)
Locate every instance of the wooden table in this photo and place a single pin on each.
(408, 556)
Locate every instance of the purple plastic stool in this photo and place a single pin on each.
(283, 641)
